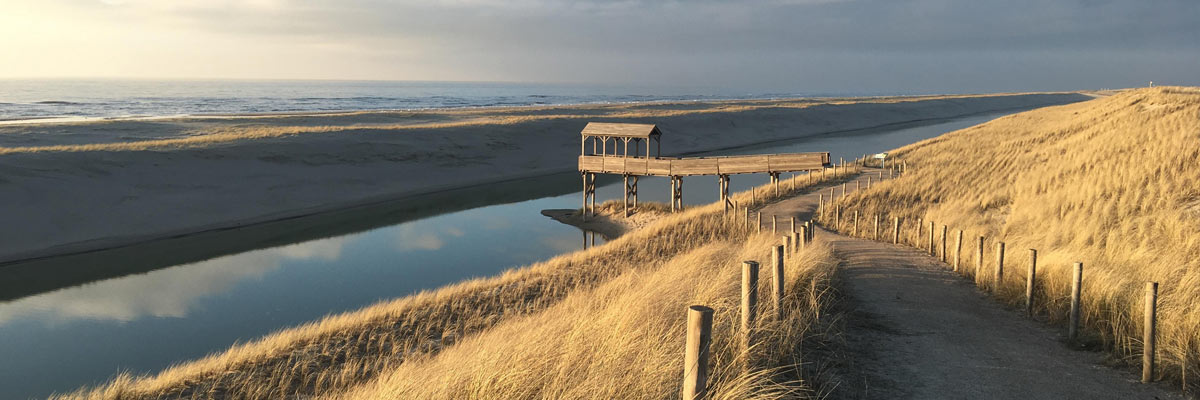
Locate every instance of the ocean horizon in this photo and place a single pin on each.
(43, 100)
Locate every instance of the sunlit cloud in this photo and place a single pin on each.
(165, 293)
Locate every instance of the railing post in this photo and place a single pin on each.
(958, 251)
(777, 283)
(695, 353)
(1030, 282)
(1076, 292)
(1149, 343)
(932, 226)
(999, 277)
(749, 301)
(877, 227)
(895, 230)
(945, 231)
(979, 260)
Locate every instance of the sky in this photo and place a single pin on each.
(816, 45)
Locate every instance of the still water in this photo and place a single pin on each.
(143, 309)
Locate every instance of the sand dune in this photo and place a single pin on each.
(84, 186)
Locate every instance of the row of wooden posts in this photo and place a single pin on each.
(699, 319)
(834, 216)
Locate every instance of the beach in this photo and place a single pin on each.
(83, 186)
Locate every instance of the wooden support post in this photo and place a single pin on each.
(1149, 342)
(998, 280)
(1030, 282)
(758, 223)
(774, 223)
(837, 210)
(626, 179)
(798, 240)
(747, 215)
(793, 219)
(696, 351)
(979, 260)
(788, 247)
(945, 230)
(1076, 292)
(749, 302)
(876, 237)
(775, 181)
(673, 194)
(931, 238)
(634, 190)
(895, 230)
(868, 183)
(958, 251)
(844, 189)
(854, 232)
(777, 282)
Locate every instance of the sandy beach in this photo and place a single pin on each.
(75, 187)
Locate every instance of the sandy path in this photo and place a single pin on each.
(916, 331)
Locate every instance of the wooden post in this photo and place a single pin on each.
(999, 277)
(1076, 291)
(797, 241)
(1030, 282)
(749, 301)
(787, 244)
(758, 223)
(868, 183)
(895, 230)
(747, 215)
(1148, 337)
(876, 236)
(958, 250)
(793, 219)
(944, 232)
(626, 177)
(854, 232)
(774, 224)
(931, 228)
(979, 260)
(695, 353)
(777, 282)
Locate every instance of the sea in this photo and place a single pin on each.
(36, 100)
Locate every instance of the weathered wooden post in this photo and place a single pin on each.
(747, 215)
(777, 283)
(749, 300)
(787, 243)
(999, 277)
(876, 236)
(854, 232)
(958, 250)
(1148, 337)
(1076, 291)
(758, 223)
(793, 219)
(695, 353)
(858, 185)
(1030, 282)
(944, 232)
(931, 228)
(868, 183)
(979, 260)
(837, 224)
(797, 241)
(895, 230)
(774, 224)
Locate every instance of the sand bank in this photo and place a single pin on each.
(72, 187)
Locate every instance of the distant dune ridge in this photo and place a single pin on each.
(1113, 183)
(84, 186)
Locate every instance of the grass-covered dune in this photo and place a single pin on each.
(606, 322)
(1112, 182)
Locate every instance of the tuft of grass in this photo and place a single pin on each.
(1113, 183)
(340, 352)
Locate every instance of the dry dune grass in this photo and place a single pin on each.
(624, 339)
(452, 119)
(342, 351)
(1110, 182)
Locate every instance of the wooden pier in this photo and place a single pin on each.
(617, 159)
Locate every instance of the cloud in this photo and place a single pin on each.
(795, 45)
(165, 293)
